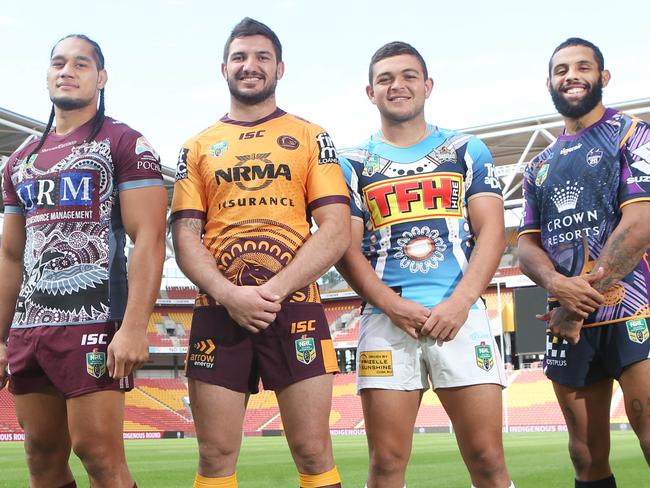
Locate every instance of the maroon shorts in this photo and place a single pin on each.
(72, 359)
(296, 346)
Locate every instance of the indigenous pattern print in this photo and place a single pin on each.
(574, 192)
(413, 203)
(74, 262)
(255, 185)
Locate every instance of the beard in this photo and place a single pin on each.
(251, 98)
(64, 103)
(583, 107)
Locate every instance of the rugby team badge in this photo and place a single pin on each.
(96, 363)
(637, 330)
(305, 349)
(484, 357)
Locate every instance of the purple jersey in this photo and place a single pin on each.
(74, 266)
(574, 191)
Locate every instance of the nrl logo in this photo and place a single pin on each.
(96, 363)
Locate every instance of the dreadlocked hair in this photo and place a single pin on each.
(99, 117)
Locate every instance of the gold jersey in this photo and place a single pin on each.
(255, 184)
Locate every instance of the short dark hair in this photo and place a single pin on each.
(577, 41)
(396, 48)
(250, 27)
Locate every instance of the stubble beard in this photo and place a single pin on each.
(251, 98)
(583, 107)
(65, 103)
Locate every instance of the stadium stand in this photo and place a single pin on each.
(8, 420)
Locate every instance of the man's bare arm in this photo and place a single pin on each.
(625, 247)
(252, 307)
(11, 270)
(143, 216)
(574, 293)
(318, 253)
(359, 274)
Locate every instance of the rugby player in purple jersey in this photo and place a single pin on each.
(585, 237)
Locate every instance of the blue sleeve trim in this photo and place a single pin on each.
(130, 185)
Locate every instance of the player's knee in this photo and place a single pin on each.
(486, 462)
(45, 453)
(214, 458)
(386, 461)
(312, 455)
(100, 459)
(583, 457)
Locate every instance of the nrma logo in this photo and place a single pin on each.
(249, 175)
(566, 197)
(67, 189)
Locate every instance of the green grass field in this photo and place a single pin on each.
(538, 460)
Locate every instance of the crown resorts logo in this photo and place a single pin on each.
(566, 198)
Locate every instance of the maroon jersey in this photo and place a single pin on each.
(74, 263)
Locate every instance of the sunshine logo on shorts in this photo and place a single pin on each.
(376, 363)
(637, 330)
(484, 358)
(95, 363)
(305, 349)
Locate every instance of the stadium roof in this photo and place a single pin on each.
(512, 143)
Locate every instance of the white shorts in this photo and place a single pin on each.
(388, 358)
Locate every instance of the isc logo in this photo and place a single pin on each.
(92, 339)
(251, 135)
(303, 326)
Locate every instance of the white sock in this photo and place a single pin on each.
(511, 485)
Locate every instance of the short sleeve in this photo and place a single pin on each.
(10, 198)
(189, 199)
(325, 182)
(352, 181)
(635, 166)
(137, 164)
(530, 215)
(479, 162)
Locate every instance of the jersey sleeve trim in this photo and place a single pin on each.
(130, 185)
(634, 200)
(485, 194)
(11, 209)
(188, 214)
(629, 132)
(328, 200)
(529, 231)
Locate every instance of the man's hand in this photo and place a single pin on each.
(562, 323)
(4, 361)
(446, 319)
(576, 294)
(408, 315)
(128, 351)
(252, 307)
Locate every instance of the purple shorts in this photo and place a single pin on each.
(72, 359)
(296, 346)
